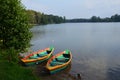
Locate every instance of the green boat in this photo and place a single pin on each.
(59, 62)
(38, 56)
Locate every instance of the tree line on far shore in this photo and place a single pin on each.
(113, 18)
(41, 18)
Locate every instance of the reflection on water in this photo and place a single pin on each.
(63, 75)
(114, 73)
(38, 32)
(95, 47)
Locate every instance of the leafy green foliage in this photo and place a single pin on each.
(14, 29)
(10, 55)
(41, 18)
(14, 25)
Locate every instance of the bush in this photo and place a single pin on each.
(15, 35)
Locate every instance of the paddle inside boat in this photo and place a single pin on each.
(38, 56)
(59, 62)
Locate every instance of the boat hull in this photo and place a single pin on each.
(36, 62)
(57, 70)
(27, 61)
(56, 66)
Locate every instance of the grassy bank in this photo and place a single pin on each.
(11, 71)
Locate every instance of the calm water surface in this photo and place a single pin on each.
(95, 47)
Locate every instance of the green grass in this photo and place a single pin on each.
(11, 71)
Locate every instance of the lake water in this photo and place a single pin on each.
(95, 48)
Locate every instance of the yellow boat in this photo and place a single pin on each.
(59, 62)
(38, 56)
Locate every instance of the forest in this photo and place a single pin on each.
(38, 18)
(41, 18)
(113, 18)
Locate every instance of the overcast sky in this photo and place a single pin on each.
(75, 8)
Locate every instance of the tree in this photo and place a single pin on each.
(14, 26)
(31, 15)
(95, 19)
(41, 18)
(115, 18)
(64, 19)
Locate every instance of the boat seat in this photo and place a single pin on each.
(42, 54)
(34, 56)
(66, 55)
(56, 63)
(62, 59)
(48, 51)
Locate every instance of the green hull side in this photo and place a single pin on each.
(37, 62)
(57, 70)
(30, 63)
(40, 61)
